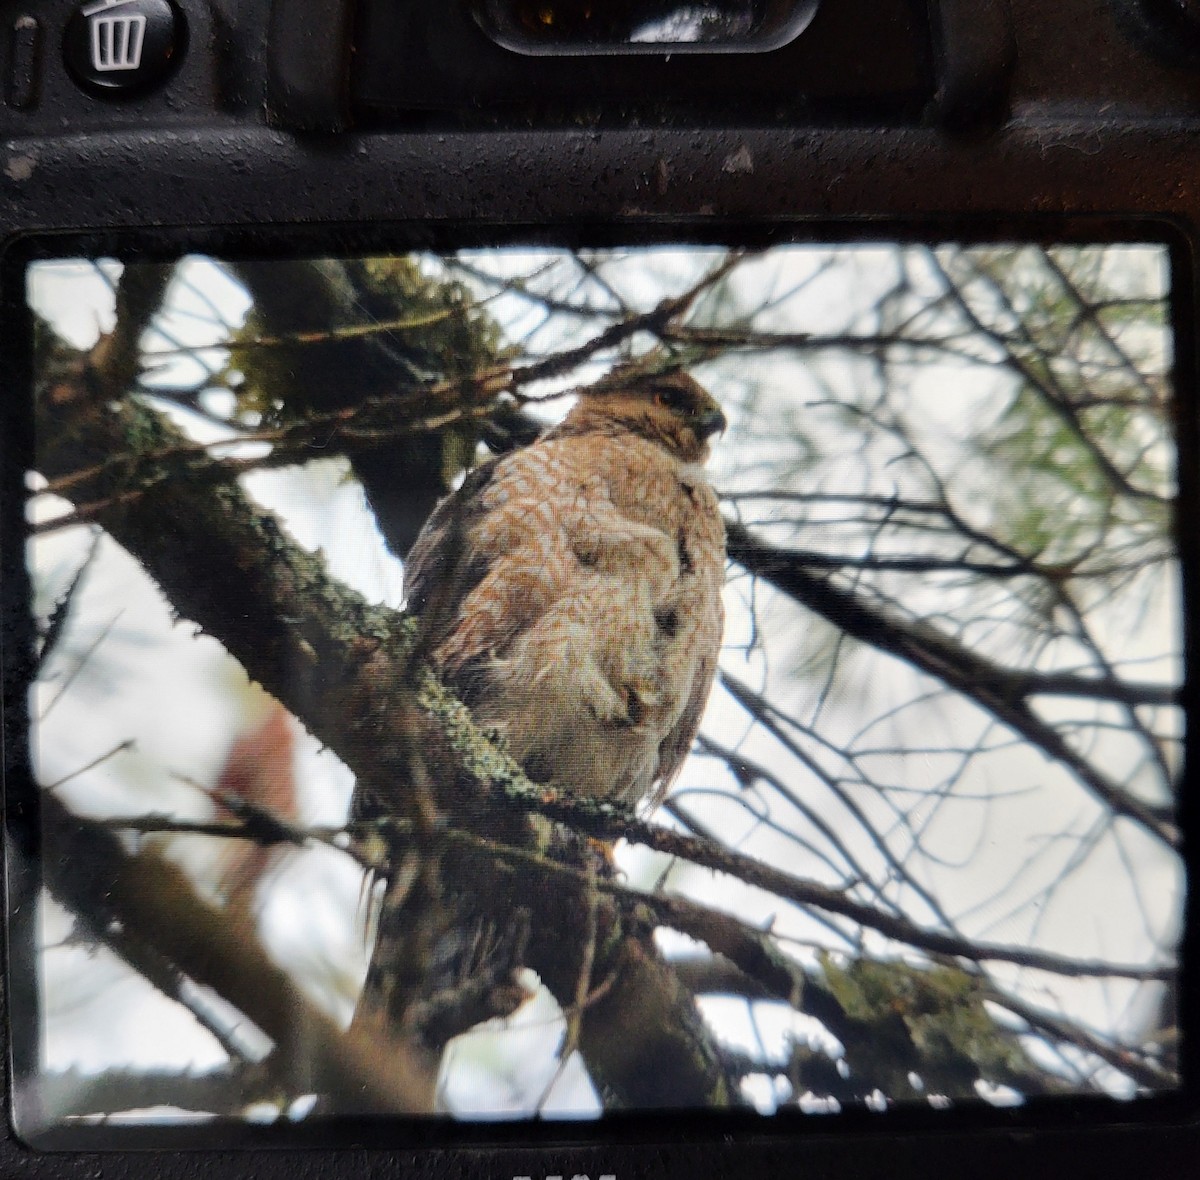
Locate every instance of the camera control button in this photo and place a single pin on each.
(119, 48)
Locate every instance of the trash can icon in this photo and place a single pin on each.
(116, 37)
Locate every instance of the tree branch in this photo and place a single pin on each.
(344, 668)
(141, 900)
(1001, 691)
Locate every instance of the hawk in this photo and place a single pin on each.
(571, 590)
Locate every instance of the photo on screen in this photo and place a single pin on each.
(530, 683)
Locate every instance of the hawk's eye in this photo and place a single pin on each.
(671, 398)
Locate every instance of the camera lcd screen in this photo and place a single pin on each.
(533, 683)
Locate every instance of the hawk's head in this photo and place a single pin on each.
(669, 408)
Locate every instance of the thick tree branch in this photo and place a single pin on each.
(136, 900)
(220, 1091)
(342, 667)
(604, 820)
(498, 777)
(327, 654)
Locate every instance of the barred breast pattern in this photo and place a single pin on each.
(585, 612)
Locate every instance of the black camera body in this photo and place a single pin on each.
(911, 110)
(276, 128)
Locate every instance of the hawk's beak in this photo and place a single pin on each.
(709, 423)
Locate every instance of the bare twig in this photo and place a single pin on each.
(1001, 691)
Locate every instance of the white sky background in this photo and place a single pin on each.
(998, 855)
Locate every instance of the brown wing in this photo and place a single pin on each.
(676, 746)
(434, 567)
(701, 631)
(497, 554)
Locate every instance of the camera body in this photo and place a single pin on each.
(266, 116)
(292, 127)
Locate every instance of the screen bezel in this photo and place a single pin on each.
(849, 1133)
